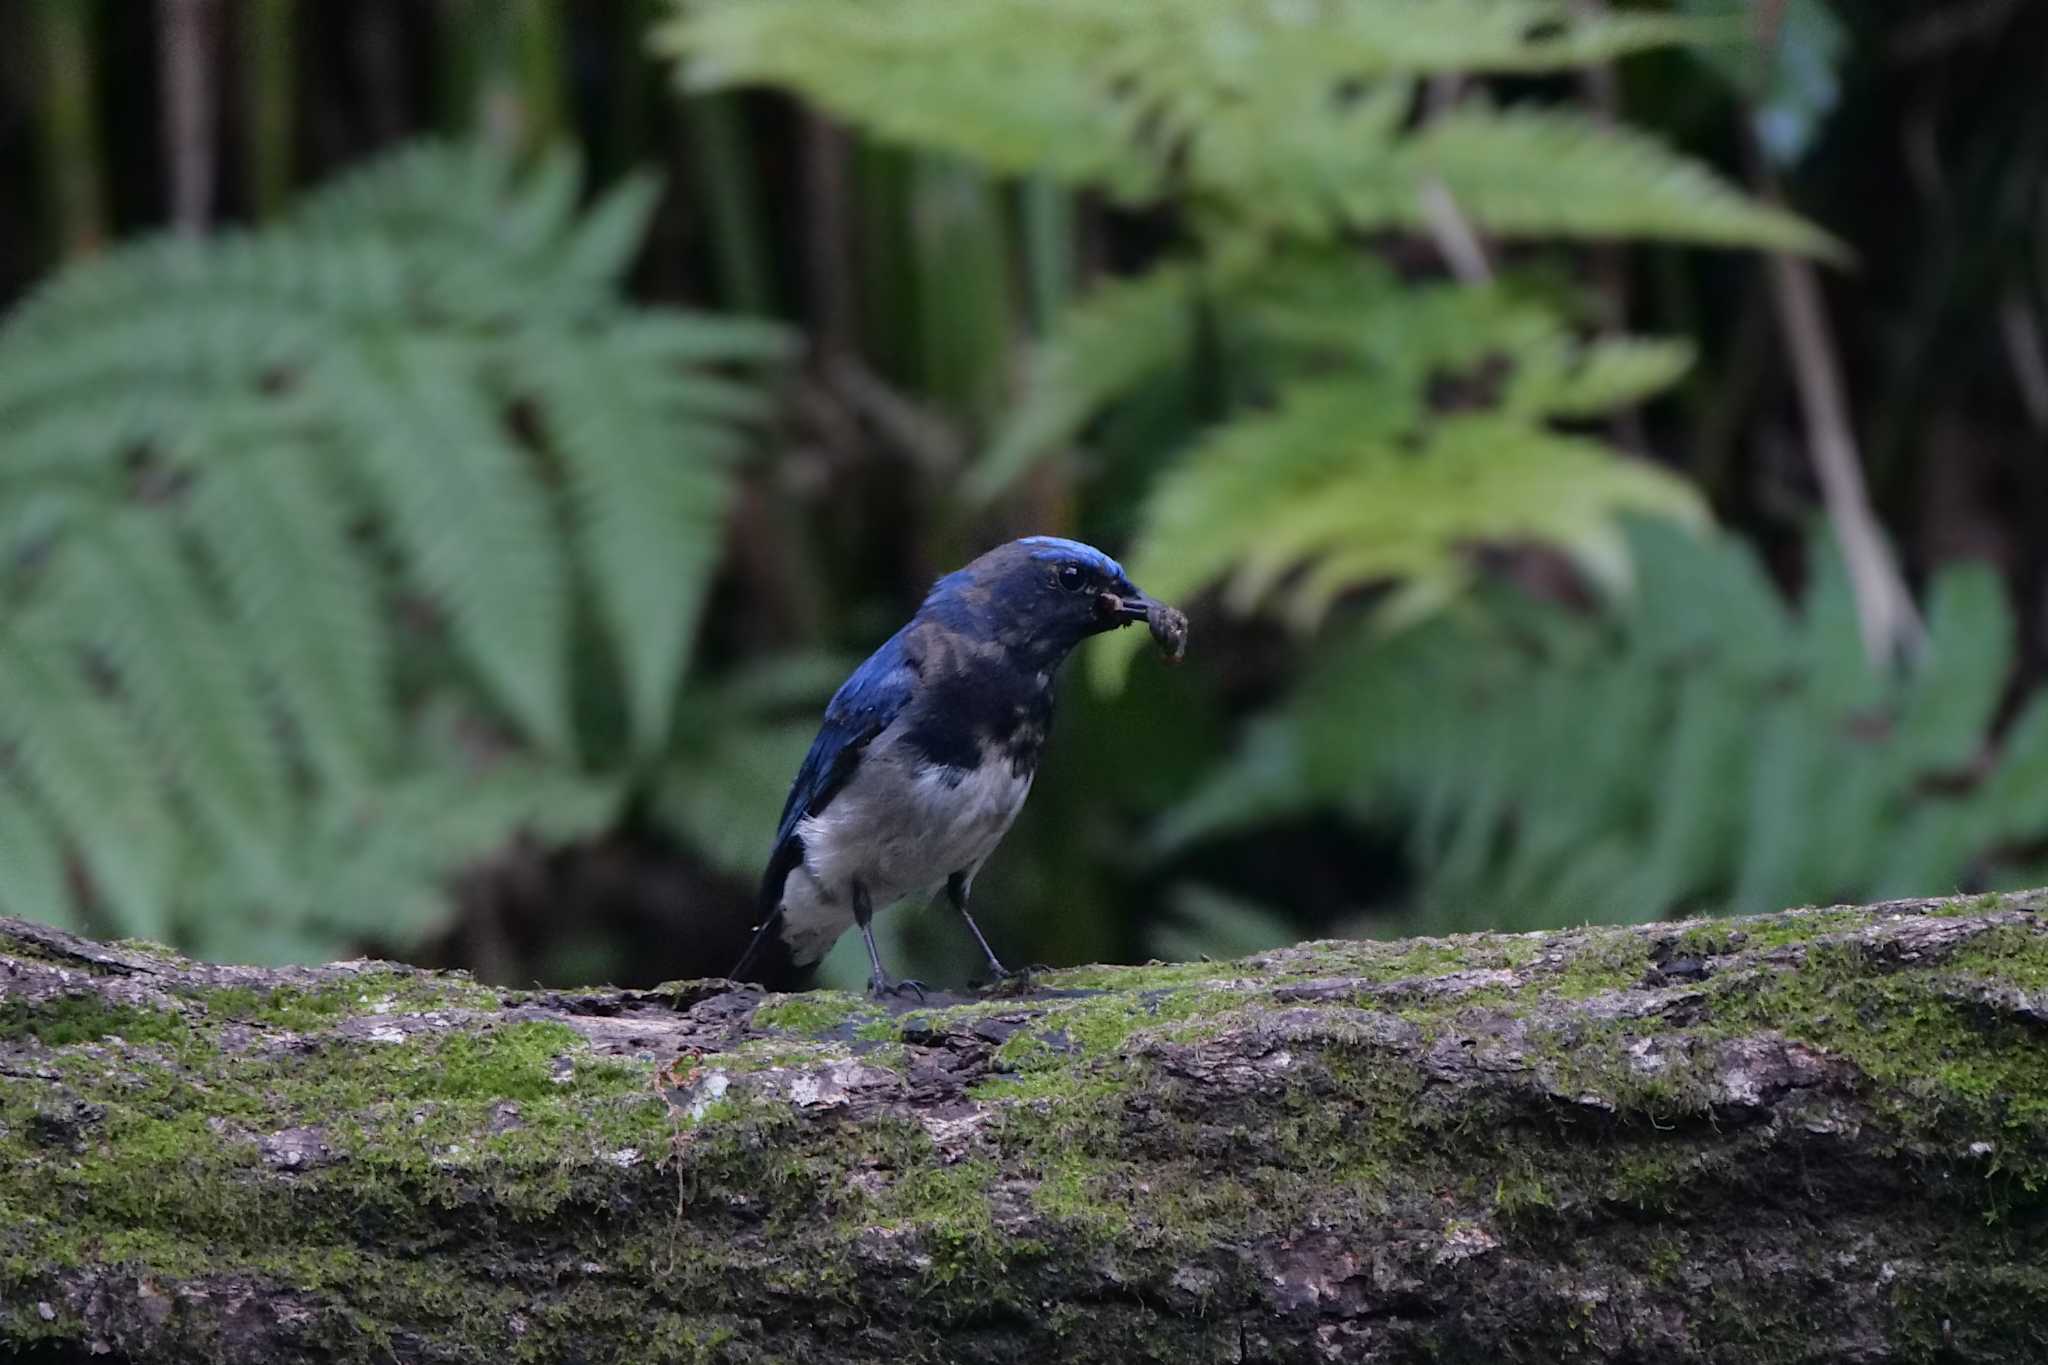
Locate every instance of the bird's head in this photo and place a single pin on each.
(1037, 597)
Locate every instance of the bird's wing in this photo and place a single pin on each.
(861, 709)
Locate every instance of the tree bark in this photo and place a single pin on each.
(1814, 1136)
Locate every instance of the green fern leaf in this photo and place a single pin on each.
(226, 459)
(278, 535)
(1946, 711)
(1611, 373)
(650, 500)
(600, 250)
(2017, 791)
(380, 864)
(1545, 172)
(1332, 481)
(1508, 739)
(1281, 115)
(128, 594)
(1105, 346)
(98, 779)
(537, 212)
(474, 526)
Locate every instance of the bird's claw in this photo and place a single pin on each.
(881, 988)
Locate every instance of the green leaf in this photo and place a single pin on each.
(1292, 116)
(1948, 704)
(278, 534)
(1327, 494)
(475, 527)
(1104, 346)
(97, 777)
(650, 498)
(1615, 372)
(600, 249)
(1545, 172)
(241, 475)
(129, 593)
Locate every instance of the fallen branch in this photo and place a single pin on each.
(1814, 1136)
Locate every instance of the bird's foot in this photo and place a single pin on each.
(881, 988)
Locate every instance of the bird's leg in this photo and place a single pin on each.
(956, 892)
(879, 983)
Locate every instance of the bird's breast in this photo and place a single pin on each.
(904, 824)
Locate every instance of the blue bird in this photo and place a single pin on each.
(927, 753)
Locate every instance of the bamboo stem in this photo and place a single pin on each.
(1884, 609)
(73, 167)
(269, 72)
(186, 53)
(1049, 250)
(729, 190)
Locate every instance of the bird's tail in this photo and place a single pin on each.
(767, 959)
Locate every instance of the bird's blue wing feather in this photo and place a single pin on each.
(862, 708)
(865, 703)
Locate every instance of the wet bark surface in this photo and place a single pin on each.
(1815, 1136)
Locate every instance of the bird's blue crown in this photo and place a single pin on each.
(1051, 548)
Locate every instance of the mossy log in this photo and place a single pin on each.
(1813, 1136)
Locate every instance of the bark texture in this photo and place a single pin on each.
(1814, 1136)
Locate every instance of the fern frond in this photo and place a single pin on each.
(649, 498)
(96, 775)
(127, 594)
(1607, 374)
(1284, 115)
(225, 461)
(597, 252)
(462, 502)
(1104, 346)
(1342, 487)
(277, 534)
(1700, 766)
(1545, 172)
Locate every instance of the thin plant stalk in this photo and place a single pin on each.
(75, 170)
(728, 188)
(190, 98)
(268, 32)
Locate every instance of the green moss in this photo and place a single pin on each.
(85, 1018)
(1761, 933)
(283, 1007)
(2012, 954)
(517, 1136)
(1609, 960)
(1521, 1192)
(881, 1029)
(818, 1014)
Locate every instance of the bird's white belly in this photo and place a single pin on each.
(898, 829)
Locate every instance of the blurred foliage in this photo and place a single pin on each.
(1368, 429)
(316, 532)
(1791, 81)
(1699, 748)
(1385, 428)
(1271, 117)
(386, 579)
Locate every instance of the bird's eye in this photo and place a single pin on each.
(1071, 578)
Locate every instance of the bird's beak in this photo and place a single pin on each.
(1123, 608)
